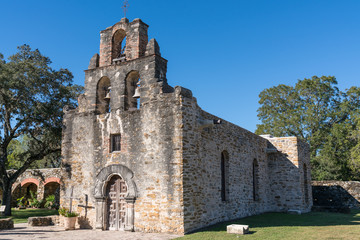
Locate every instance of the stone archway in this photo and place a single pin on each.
(102, 179)
(52, 187)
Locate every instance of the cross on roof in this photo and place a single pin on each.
(125, 7)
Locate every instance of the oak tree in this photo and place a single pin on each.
(32, 96)
(316, 111)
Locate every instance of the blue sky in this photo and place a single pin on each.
(225, 51)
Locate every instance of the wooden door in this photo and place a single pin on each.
(116, 206)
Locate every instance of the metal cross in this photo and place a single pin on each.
(125, 7)
(86, 206)
(71, 198)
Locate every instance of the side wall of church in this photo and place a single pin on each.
(202, 170)
(247, 191)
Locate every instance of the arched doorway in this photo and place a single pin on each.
(116, 191)
(105, 180)
(29, 190)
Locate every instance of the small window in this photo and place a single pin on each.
(115, 142)
(255, 174)
(224, 166)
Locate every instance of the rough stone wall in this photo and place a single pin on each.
(202, 171)
(150, 148)
(278, 180)
(336, 193)
(6, 223)
(286, 174)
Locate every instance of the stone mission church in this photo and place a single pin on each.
(140, 155)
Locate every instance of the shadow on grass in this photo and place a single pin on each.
(284, 219)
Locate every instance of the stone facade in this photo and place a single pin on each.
(182, 169)
(43, 182)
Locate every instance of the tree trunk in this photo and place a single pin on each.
(7, 187)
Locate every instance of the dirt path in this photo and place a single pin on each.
(23, 232)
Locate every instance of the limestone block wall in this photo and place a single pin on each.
(289, 189)
(202, 150)
(276, 186)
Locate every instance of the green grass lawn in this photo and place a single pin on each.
(21, 216)
(314, 225)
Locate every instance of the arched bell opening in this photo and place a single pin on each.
(132, 91)
(103, 96)
(118, 46)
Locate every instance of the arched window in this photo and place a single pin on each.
(132, 82)
(103, 95)
(255, 173)
(306, 188)
(224, 176)
(118, 46)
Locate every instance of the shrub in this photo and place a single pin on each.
(66, 213)
(33, 201)
(50, 202)
(20, 202)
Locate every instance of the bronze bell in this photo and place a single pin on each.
(137, 93)
(107, 97)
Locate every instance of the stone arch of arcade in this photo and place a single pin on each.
(43, 182)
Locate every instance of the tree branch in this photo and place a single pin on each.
(30, 160)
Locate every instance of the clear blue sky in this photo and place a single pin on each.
(225, 51)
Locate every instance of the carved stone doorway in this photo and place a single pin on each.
(116, 190)
(104, 179)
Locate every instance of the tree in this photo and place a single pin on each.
(355, 151)
(316, 111)
(32, 96)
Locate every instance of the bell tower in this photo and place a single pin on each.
(123, 42)
(129, 71)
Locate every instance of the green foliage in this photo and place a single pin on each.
(32, 97)
(50, 202)
(355, 151)
(316, 111)
(19, 146)
(66, 213)
(33, 201)
(21, 202)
